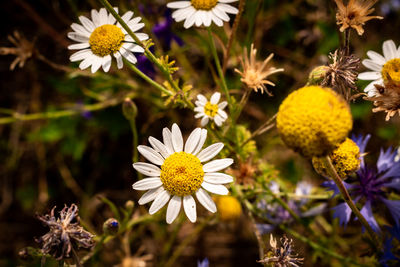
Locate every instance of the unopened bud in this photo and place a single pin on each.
(129, 205)
(129, 109)
(317, 75)
(111, 226)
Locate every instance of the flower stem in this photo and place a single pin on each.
(345, 194)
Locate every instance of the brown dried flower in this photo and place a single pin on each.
(244, 175)
(65, 232)
(355, 14)
(387, 99)
(282, 256)
(341, 74)
(255, 72)
(23, 50)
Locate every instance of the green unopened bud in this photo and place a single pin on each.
(129, 109)
(317, 75)
(111, 226)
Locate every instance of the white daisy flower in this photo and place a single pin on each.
(100, 38)
(202, 12)
(383, 68)
(183, 173)
(210, 109)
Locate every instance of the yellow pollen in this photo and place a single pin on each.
(391, 71)
(211, 109)
(106, 40)
(204, 4)
(182, 174)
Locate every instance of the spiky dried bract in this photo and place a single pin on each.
(65, 233)
(282, 256)
(387, 100)
(314, 120)
(355, 14)
(341, 74)
(23, 50)
(255, 73)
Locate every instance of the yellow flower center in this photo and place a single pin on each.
(211, 109)
(391, 71)
(182, 174)
(106, 40)
(204, 4)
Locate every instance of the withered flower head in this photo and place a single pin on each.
(245, 173)
(341, 74)
(282, 256)
(23, 50)
(255, 72)
(65, 232)
(387, 99)
(355, 14)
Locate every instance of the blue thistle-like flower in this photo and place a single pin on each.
(371, 186)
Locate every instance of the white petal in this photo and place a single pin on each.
(193, 140)
(202, 99)
(199, 115)
(215, 98)
(217, 165)
(217, 178)
(159, 147)
(179, 4)
(223, 114)
(227, 1)
(199, 18)
(218, 120)
(80, 30)
(147, 183)
(228, 8)
(203, 138)
(204, 121)
(207, 18)
(87, 62)
(369, 75)
(389, 50)
(106, 63)
(173, 209)
(220, 13)
(80, 55)
(204, 198)
(217, 20)
(96, 64)
(150, 195)
(210, 152)
(95, 18)
(103, 16)
(199, 109)
(147, 169)
(182, 14)
(222, 105)
(118, 57)
(128, 55)
(215, 188)
(161, 199)
(189, 205)
(371, 65)
(77, 37)
(151, 155)
(377, 58)
(167, 139)
(190, 20)
(87, 23)
(177, 140)
(127, 16)
(78, 46)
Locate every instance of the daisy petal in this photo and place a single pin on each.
(215, 98)
(151, 155)
(389, 50)
(217, 165)
(193, 140)
(203, 137)
(189, 205)
(179, 4)
(118, 57)
(377, 58)
(204, 198)
(167, 139)
(204, 121)
(159, 147)
(371, 65)
(202, 99)
(173, 209)
(217, 178)
(161, 199)
(87, 23)
(147, 183)
(177, 140)
(147, 169)
(78, 46)
(150, 195)
(106, 63)
(369, 75)
(210, 152)
(215, 188)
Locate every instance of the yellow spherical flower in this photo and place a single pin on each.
(346, 159)
(229, 208)
(314, 120)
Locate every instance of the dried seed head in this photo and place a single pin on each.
(23, 50)
(282, 256)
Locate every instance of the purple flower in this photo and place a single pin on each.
(371, 186)
(203, 263)
(163, 31)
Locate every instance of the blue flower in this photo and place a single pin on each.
(371, 186)
(163, 31)
(203, 263)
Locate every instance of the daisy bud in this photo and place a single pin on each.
(111, 226)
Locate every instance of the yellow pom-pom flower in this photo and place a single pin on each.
(314, 120)
(229, 208)
(345, 159)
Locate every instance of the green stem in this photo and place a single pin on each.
(219, 69)
(345, 194)
(284, 205)
(135, 140)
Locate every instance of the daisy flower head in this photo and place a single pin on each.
(183, 172)
(210, 109)
(101, 37)
(202, 12)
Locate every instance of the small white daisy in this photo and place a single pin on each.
(202, 12)
(100, 38)
(210, 109)
(383, 68)
(182, 173)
